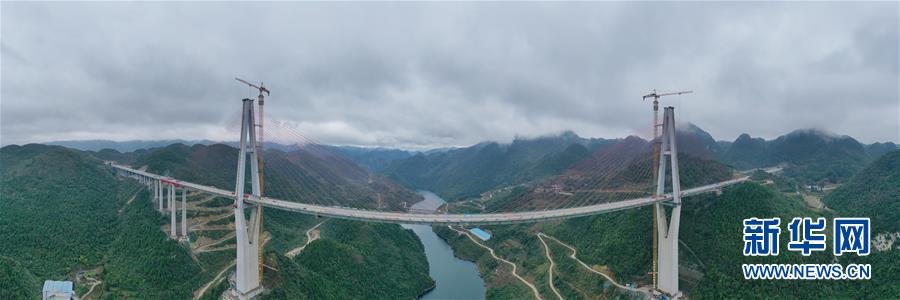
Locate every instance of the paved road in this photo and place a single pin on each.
(440, 219)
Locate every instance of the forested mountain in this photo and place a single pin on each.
(63, 211)
(17, 281)
(375, 159)
(874, 193)
(712, 244)
(813, 156)
(876, 150)
(353, 260)
(123, 146)
(322, 177)
(466, 172)
(619, 242)
(114, 155)
(310, 176)
(697, 142)
(710, 255)
(80, 217)
(747, 152)
(818, 157)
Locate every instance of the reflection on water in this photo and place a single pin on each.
(430, 204)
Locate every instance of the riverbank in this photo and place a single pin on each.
(454, 277)
(502, 284)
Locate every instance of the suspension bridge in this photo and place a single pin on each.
(247, 230)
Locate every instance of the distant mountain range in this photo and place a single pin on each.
(72, 224)
(815, 156)
(313, 175)
(618, 242)
(469, 171)
(123, 146)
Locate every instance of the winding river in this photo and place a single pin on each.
(455, 278)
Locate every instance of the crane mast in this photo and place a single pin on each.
(655, 96)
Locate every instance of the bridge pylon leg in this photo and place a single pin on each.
(155, 193)
(152, 186)
(159, 191)
(184, 223)
(247, 275)
(667, 227)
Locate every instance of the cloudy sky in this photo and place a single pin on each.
(418, 75)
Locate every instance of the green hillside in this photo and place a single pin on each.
(350, 259)
(374, 159)
(876, 150)
(354, 260)
(711, 227)
(710, 234)
(63, 211)
(299, 175)
(874, 193)
(810, 156)
(17, 282)
(710, 253)
(747, 152)
(58, 209)
(143, 261)
(468, 172)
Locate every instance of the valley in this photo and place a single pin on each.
(604, 238)
(604, 256)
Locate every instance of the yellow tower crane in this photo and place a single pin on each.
(259, 154)
(655, 96)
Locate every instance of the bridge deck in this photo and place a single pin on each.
(418, 218)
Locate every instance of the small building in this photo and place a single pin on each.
(57, 290)
(481, 234)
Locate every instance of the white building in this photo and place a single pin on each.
(57, 290)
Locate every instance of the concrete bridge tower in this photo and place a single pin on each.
(247, 275)
(667, 229)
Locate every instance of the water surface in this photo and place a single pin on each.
(455, 278)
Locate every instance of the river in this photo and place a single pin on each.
(454, 278)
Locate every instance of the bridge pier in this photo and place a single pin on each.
(152, 186)
(155, 193)
(159, 195)
(184, 224)
(667, 229)
(173, 230)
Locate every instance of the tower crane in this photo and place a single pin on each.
(655, 96)
(259, 154)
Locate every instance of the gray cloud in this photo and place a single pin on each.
(438, 74)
